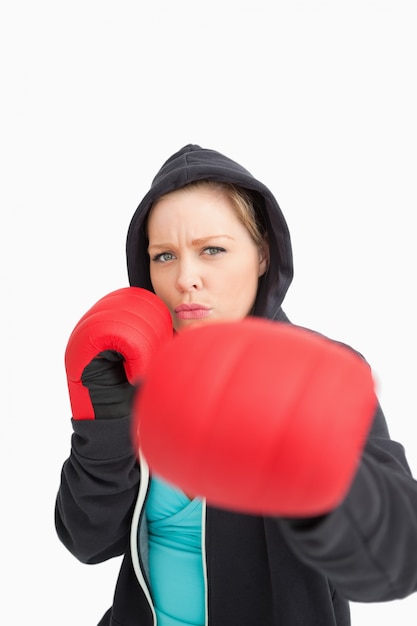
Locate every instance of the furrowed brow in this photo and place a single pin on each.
(203, 240)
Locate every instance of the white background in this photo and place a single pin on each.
(317, 99)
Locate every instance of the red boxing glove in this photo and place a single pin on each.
(256, 416)
(132, 322)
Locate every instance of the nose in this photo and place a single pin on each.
(188, 278)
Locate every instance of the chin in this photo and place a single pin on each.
(197, 322)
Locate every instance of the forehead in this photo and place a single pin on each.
(193, 207)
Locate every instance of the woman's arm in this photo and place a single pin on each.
(368, 545)
(97, 492)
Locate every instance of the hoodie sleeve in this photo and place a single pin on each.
(367, 547)
(97, 492)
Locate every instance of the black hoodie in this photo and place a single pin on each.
(261, 571)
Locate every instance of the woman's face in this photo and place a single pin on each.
(203, 263)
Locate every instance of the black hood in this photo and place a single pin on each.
(193, 163)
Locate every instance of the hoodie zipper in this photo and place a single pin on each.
(134, 531)
(134, 547)
(204, 558)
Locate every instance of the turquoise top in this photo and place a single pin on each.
(175, 556)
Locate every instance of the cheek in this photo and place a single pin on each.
(243, 285)
(160, 284)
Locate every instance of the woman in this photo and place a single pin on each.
(211, 242)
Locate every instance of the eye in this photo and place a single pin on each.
(213, 250)
(163, 257)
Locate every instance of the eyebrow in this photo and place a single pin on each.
(203, 240)
(195, 242)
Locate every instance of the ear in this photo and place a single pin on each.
(263, 258)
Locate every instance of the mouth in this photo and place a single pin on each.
(191, 311)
